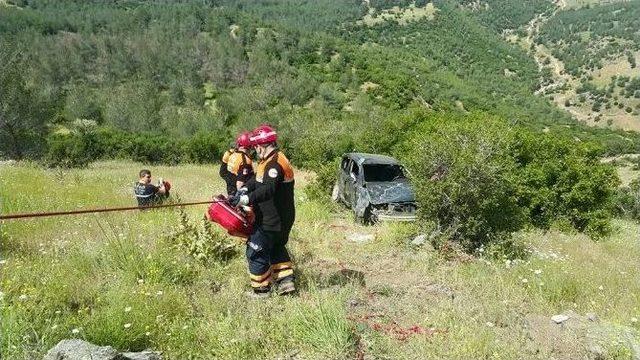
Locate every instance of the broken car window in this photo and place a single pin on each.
(382, 173)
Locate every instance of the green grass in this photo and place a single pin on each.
(127, 280)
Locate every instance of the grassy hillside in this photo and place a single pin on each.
(137, 280)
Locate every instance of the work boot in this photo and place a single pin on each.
(261, 293)
(286, 287)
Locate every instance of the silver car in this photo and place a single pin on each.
(375, 187)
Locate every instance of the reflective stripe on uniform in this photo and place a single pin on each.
(263, 280)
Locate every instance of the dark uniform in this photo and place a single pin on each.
(271, 192)
(146, 194)
(228, 178)
(239, 165)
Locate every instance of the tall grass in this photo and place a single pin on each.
(128, 280)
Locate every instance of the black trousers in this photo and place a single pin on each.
(268, 258)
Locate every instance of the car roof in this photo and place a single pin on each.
(365, 158)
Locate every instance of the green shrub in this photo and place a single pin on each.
(204, 148)
(479, 179)
(627, 200)
(560, 178)
(67, 151)
(326, 175)
(462, 169)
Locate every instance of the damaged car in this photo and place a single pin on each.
(375, 188)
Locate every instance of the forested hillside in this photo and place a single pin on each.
(167, 82)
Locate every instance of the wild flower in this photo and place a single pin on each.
(159, 293)
(127, 309)
(23, 297)
(75, 331)
(55, 326)
(634, 320)
(537, 272)
(524, 280)
(127, 325)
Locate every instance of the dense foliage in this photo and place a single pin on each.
(479, 179)
(583, 38)
(164, 72)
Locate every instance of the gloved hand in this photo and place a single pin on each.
(242, 191)
(239, 200)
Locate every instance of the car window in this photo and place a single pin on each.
(345, 164)
(382, 172)
(355, 170)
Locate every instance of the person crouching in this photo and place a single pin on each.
(148, 194)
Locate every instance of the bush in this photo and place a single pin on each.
(326, 175)
(67, 151)
(627, 201)
(462, 169)
(479, 179)
(559, 178)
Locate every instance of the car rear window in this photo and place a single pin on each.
(381, 173)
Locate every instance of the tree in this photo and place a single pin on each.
(23, 115)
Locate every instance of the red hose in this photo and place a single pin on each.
(88, 211)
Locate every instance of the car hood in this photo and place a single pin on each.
(390, 192)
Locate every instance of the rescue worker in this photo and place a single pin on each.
(270, 193)
(224, 172)
(147, 193)
(239, 164)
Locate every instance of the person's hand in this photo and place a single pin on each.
(242, 191)
(238, 200)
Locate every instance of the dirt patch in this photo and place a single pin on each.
(401, 15)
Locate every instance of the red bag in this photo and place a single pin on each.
(236, 222)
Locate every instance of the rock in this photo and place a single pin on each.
(360, 238)
(76, 349)
(419, 240)
(559, 319)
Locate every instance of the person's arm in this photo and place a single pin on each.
(271, 181)
(244, 174)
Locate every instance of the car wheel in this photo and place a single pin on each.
(366, 218)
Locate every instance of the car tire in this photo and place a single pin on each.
(366, 218)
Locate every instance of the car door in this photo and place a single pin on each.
(351, 181)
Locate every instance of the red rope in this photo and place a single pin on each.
(88, 211)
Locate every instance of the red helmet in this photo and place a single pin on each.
(263, 134)
(244, 139)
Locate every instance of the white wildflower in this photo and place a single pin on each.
(147, 333)
(634, 320)
(127, 309)
(75, 331)
(185, 327)
(23, 297)
(490, 324)
(537, 272)
(600, 287)
(524, 280)
(127, 325)
(159, 293)
(140, 281)
(55, 326)
(2, 262)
